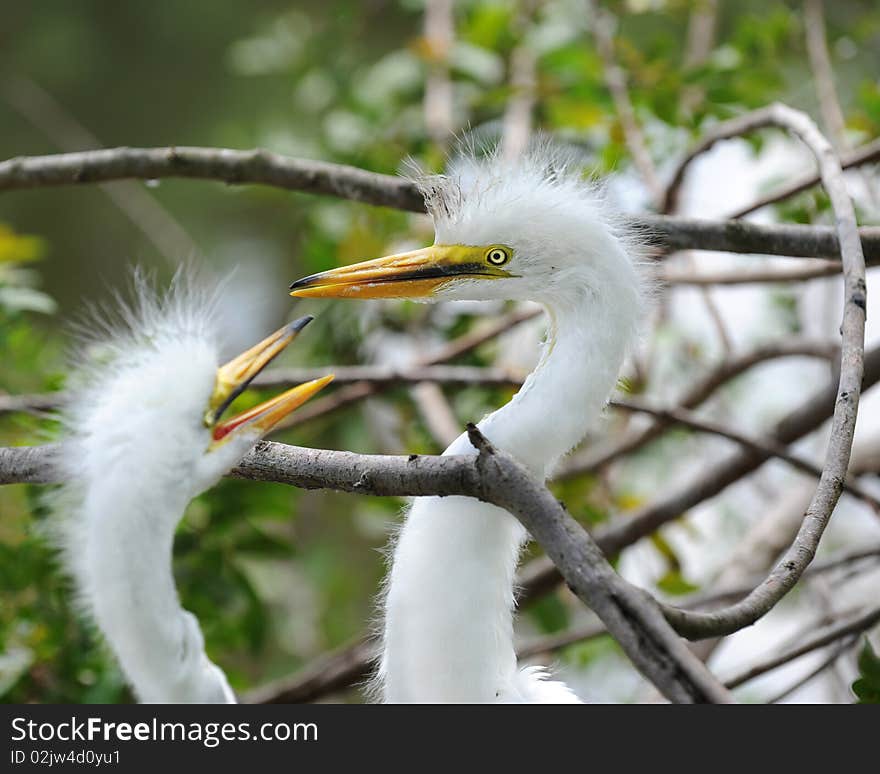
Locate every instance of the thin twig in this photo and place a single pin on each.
(352, 393)
(827, 662)
(602, 25)
(763, 446)
(866, 154)
(808, 643)
(815, 270)
(823, 73)
(702, 389)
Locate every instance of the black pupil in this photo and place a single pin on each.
(496, 256)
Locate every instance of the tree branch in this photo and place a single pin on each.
(349, 664)
(615, 79)
(836, 652)
(696, 394)
(808, 643)
(357, 391)
(631, 616)
(816, 270)
(866, 154)
(762, 446)
(236, 167)
(786, 573)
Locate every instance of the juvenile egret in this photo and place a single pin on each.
(533, 229)
(145, 436)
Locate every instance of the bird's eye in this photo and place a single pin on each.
(497, 256)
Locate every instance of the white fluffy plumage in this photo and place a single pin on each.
(449, 600)
(135, 453)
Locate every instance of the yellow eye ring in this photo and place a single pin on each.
(497, 256)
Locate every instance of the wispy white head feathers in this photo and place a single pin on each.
(542, 205)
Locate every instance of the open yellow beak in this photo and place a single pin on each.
(269, 413)
(234, 377)
(416, 274)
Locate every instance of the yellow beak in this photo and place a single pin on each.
(269, 413)
(234, 377)
(416, 274)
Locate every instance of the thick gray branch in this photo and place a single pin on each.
(261, 167)
(233, 167)
(492, 476)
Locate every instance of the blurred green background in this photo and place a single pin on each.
(276, 575)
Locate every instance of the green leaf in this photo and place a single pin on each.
(675, 583)
(867, 686)
(19, 248)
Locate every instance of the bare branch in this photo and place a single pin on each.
(257, 166)
(823, 73)
(699, 392)
(762, 446)
(335, 671)
(667, 232)
(786, 573)
(808, 643)
(815, 270)
(828, 661)
(865, 155)
(379, 377)
(554, 642)
(233, 167)
(357, 391)
(615, 79)
(631, 616)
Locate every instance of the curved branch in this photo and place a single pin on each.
(631, 616)
(852, 365)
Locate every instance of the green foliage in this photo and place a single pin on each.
(867, 686)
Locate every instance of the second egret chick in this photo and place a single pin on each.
(144, 437)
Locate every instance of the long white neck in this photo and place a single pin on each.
(126, 578)
(449, 604)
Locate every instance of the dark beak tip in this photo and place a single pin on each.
(297, 325)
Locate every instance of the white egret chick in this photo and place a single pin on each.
(144, 437)
(527, 229)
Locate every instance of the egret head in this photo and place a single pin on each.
(150, 407)
(534, 228)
